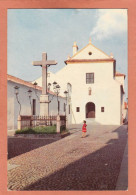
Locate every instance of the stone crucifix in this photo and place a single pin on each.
(44, 98)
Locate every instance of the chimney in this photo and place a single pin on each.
(75, 48)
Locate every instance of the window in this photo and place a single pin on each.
(89, 91)
(90, 53)
(102, 109)
(58, 105)
(78, 109)
(69, 109)
(89, 78)
(34, 107)
(64, 107)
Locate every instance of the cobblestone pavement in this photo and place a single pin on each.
(72, 163)
(17, 146)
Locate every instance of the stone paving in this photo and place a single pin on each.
(17, 146)
(72, 163)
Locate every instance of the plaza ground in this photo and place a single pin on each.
(71, 163)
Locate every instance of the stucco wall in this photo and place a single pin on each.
(105, 91)
(13, 106)
(96, 53)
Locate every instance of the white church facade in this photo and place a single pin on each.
(96, 90)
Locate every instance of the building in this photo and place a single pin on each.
(23, 105)
(96, 90)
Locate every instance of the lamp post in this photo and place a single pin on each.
(49, 84)
(16, 93)
(35, 84)
(66, 94)
(56, 89)
(30, 95)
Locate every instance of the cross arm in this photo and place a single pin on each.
(51, 62)
(37, 63)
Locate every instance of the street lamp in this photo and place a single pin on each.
(35, 84)
(66, 94)
(56, 89)
(30, 95)
(16, 93)
(49, 84)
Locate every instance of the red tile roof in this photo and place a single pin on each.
(22, 82)
(26, 83)
(118, 74)
(89, 60)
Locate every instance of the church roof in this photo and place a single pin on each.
(88, 60)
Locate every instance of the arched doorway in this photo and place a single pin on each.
(90, 110)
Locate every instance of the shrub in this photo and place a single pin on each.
(63, 129)
(37, 130)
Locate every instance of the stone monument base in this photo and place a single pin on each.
(44, 105)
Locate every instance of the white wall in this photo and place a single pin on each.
(105, 91)
(120, 79)
(13, 106)
(96, 53)
(53, 106)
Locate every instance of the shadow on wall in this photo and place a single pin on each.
(96, 171)
(18, 146)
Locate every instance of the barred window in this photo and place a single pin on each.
(89, 78)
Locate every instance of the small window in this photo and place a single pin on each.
(90, 53)
(64, 107)
(89, 91)
(89, 78)
(58, 105)
(69, 109)
(34, 107)
(78, 109)
(102, 109)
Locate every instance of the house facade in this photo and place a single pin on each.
(28, 106)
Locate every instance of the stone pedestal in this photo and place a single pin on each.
(44, 105)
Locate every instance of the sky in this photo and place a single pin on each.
(33, 31)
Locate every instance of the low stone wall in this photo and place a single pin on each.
(34, 121)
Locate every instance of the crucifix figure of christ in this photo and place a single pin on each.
(44, 98)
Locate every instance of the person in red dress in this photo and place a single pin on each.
(84, 129)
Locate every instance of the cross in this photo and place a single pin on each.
(44, 64)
